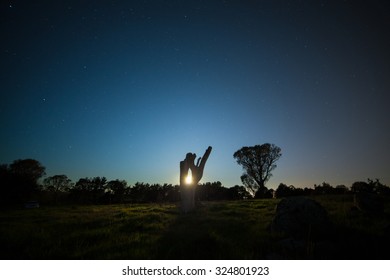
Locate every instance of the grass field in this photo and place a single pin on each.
(216, 230)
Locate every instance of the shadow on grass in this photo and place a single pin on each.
(218, 231)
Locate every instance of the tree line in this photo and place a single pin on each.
(23, 181)
(20, 182)
(371, 186)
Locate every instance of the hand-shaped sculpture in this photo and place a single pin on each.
(188, 189)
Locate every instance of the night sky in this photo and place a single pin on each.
(124, 89)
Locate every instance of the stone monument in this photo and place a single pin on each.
(188, 182)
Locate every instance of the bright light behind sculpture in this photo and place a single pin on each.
(189, 179)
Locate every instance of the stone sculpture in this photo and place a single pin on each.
(187, 188)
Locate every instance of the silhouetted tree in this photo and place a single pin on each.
(308, 191)
(258, 162)
(285, 191)
(81, 191)
(57, 184)
(360, 186)
(212, 191)
(264, 192)
(378, 187)
(238, 193)
(250, 184)
(154, 193)
(89, 190)
(117, 189)
(371, 186)
(324, 188)
(29, 169)
(98, 188)
(168, 193)
(20, 180)
(171, 193)
(341, 189)
(139, 192)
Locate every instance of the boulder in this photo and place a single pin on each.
(300, 217)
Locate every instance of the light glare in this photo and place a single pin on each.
(189, 179)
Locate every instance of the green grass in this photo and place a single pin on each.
(84, 232)
(215, 230)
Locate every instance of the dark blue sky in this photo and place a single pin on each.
(124, 89)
